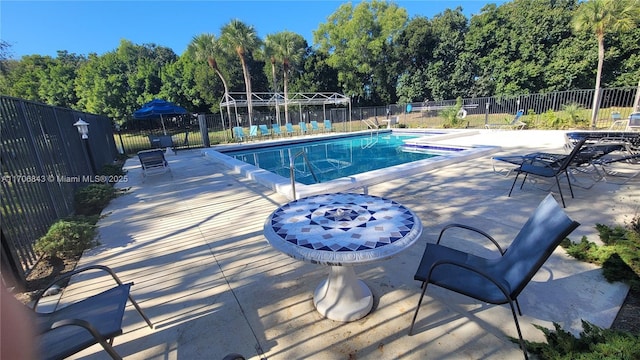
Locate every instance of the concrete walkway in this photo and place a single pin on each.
(192, 243)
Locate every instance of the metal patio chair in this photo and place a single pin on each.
(94, 320)
(533, 166)
(496, 280)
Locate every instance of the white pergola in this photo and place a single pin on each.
(239, 99)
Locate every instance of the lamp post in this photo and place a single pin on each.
(83, 130)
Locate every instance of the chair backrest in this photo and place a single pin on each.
(572, 155)
(533, 245)
(303, 127)
(276, 129)
(264, 130)
(289, 127)
(516, 119)
(253, 130)
(238, 132)
(151, 158)
(314, 125)
(327, 124)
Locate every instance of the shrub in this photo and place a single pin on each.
(593, 343)
(111, 170)
(93, 198)
(619, 256)
(67, 238)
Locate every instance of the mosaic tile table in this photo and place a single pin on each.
(342, 230)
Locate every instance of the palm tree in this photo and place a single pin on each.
(205, 47)
(242, 39)
(268, 53)
(601, 17)
(289, 48)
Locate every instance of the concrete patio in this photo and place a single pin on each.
(192, 243)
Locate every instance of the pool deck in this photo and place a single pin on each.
(191, 241)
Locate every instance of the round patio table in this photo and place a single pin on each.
(342, 230)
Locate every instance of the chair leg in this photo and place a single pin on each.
(514, 183)
(515, 318)
(523, 180)
(415, 315)
(569, 182)
(560, 191)
(518, 304)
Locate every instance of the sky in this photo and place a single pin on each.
(83, 27)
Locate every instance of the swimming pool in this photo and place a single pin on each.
(342, 162)
(324, 160)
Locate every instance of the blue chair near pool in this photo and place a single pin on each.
(303, 128)
(289, 128)
(264, 130)
(327, 126)
(253, 132)
(314, 126)
(276, 129)
(238, 133)
(496, 280)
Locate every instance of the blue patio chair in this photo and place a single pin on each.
(276, 129)
(96, 319)
(253, 131)
(516, 123)
(264, 130)
(238, 133)
(303, 128)
(496, 280)
(289, 128)
(327, 126)
(314, 126)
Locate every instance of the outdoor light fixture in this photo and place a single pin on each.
(83, 128)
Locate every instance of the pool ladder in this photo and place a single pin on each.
(292, 169)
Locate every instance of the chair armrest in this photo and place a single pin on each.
(473, 229)
(504, 291)
(92, 330)
(68, 275)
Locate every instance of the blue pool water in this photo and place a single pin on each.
(331, 159)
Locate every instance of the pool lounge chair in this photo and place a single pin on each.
(153, 162)
(276, 129)
(264, 130)
(327, 126)
(533, 166)
(94, 320)
(515, 124)
(253, 131)
(289, 128)
(496, 280)
(303, 128)
(314, 126)
(238, 133)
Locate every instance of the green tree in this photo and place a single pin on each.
(287, 48)
(413, 52)
(242, 39)
(447, 74)
(601, 17)
(206, 47)
(354, 38)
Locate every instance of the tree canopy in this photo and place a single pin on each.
(371, 51)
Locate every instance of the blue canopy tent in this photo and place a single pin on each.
(157, 108)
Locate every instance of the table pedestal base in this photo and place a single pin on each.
(342, 296)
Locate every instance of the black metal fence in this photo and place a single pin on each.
(186, 131)
(43, 162)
